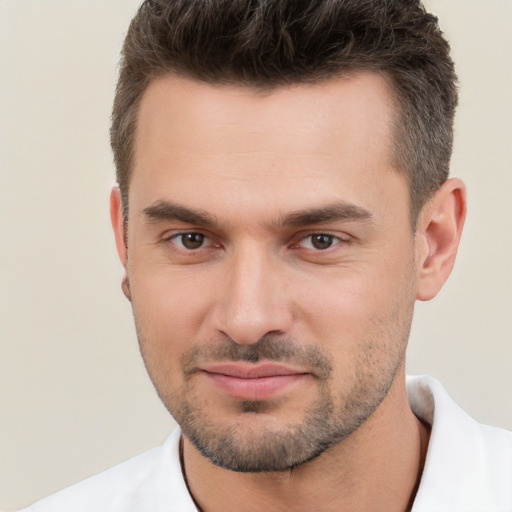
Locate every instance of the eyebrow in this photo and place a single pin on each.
(165, 210)
(331, 213)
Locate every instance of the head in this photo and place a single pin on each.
(283, 202)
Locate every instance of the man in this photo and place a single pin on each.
(283, 201)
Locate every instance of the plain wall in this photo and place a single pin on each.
(74, 395)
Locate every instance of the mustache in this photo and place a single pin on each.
(268, 348)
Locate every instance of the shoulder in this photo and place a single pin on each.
(469, 465)
(149, 481)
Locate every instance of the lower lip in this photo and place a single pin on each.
(261, 388)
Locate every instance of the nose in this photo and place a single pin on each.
(251, 300)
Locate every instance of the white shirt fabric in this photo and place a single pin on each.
(468, 468)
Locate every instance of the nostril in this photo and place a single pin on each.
(248, 326)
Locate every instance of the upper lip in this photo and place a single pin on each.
(251, 370)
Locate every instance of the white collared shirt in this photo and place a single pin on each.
(469, 465)
(468, 468)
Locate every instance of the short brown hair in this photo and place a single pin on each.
(267, 43)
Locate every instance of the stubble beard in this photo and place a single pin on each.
(238, 446)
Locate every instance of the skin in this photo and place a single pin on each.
(260, 170)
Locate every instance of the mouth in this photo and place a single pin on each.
(254, 382)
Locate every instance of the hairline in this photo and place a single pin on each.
(131, 121)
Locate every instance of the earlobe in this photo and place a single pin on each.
(125, 286)
(438, 236)
(119, 226)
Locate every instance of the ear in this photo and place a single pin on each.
(118, 224)
(438, 235)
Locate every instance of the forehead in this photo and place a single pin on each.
(183, 107)
(204, 141)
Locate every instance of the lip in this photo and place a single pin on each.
(253, 382)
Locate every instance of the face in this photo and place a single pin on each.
(270, 262)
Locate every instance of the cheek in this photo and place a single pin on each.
(169, 307)
(364, 313)
(345, 300)
(168, 316)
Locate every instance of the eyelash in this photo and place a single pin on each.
(333, 240)
(181, 235)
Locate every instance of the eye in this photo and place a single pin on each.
(189, 241)
(319, 241)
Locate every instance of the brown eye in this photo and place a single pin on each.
(190, 241)
(322, 241)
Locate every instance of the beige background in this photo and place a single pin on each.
(74, 396)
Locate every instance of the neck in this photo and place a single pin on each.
(378, 467)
